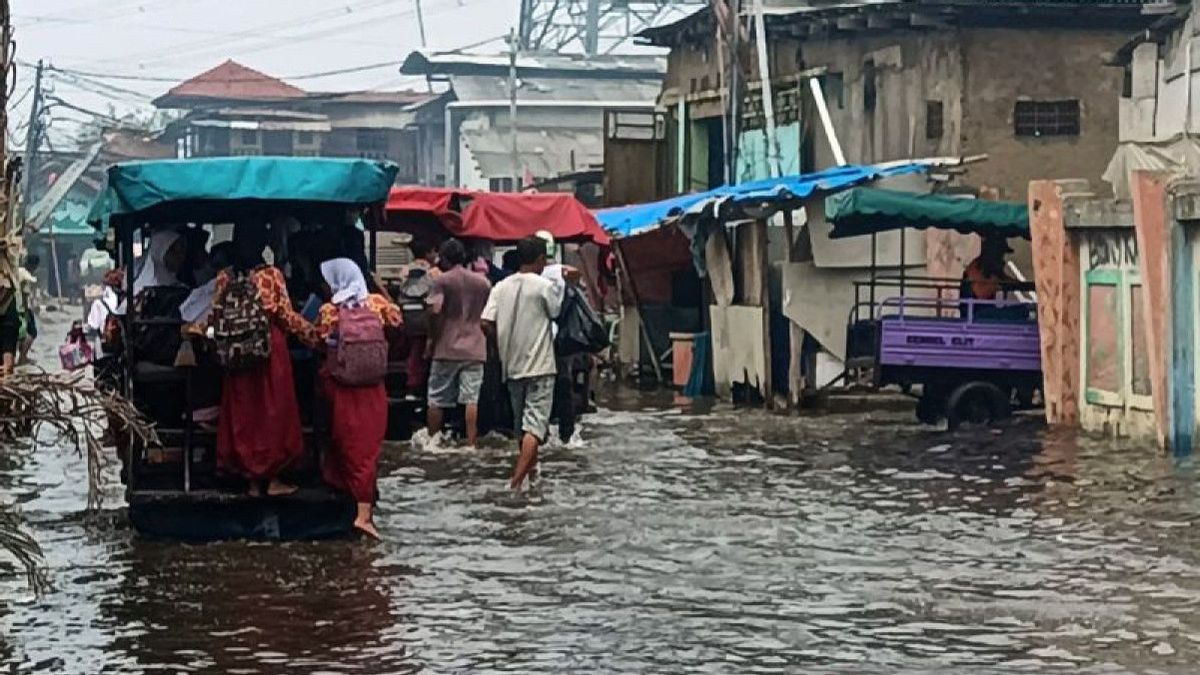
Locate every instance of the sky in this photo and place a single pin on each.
(167, 41)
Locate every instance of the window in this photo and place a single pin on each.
(1104, 357)
(305, 138)
(371, 140)
(504, 184)
(934, 119)
(249, 137)
(868, 83)
(834, 86)
(1046, 118)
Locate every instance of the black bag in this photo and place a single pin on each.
(579, 329)
(414, 301)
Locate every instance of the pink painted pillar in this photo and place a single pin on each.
(1149, 195)
(1056, 275)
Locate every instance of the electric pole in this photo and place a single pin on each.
(512, 108)
(7, 197)
(33, 139)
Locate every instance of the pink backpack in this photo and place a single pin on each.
(361, 356)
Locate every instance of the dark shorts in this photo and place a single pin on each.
(10, 329)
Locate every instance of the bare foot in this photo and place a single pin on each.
(367, 528)
(277, 488)
(255, 490)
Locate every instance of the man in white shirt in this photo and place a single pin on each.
(520, 313)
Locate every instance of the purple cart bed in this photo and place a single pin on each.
(910, 338)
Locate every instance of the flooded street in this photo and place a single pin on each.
(670, 541)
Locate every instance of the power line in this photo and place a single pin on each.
(165, 78)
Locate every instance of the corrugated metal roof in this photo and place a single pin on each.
(544, 152)
(454, 63)
(469, 88)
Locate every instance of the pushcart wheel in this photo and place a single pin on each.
(978, 403)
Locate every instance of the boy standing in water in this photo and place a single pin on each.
(520, 312)
(459, 346)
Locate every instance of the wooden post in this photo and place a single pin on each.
(763, 254)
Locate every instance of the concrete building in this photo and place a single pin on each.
(1117, 279)
(235, 110)
(560, 102)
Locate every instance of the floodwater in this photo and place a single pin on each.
(669, 541)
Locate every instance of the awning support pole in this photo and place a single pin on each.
(826, 121)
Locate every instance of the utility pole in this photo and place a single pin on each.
(421, 23)
(591, 33)
(33, 139)
(7, 197)
(512, 107)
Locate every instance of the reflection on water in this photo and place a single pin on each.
(671, 541)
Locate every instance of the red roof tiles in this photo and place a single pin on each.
(231, 81)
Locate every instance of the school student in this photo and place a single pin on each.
(358, 401)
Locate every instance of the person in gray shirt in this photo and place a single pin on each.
(520, 313)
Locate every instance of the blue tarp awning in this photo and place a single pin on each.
(771, 194)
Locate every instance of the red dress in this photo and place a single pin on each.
(358, 415)
(258, 431)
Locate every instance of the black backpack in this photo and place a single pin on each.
(414, 301)
(579, 329)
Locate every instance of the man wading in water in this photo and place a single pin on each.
(519, 313)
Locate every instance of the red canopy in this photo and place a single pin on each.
(498, 216)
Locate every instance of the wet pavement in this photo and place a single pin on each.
(672, 540)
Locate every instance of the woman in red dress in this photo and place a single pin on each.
(258, 431)
(359, 414)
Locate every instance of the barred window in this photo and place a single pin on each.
(935, 120)
(1046, 118)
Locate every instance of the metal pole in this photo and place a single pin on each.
(512, 107)
(591, 36)
(764, 76)
(826, 121)
(421, 23)
(33, 138)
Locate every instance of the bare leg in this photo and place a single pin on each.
(278, 488)
(434, 418)
(526, 461)
(472, 424)
(6, 366)
(364, 521)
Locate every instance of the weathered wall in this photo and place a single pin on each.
(1153, 238)
(1157, 106)
(1004, 66)
(910, 69)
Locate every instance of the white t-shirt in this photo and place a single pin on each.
(523, 308)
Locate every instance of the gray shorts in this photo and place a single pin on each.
(531, 401)
(454, 383)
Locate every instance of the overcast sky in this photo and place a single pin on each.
(176, 39)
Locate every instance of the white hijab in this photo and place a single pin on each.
(345, 279)
(154, 269)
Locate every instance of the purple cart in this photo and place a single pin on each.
(973, 360)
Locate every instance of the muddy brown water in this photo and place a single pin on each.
(672, 540)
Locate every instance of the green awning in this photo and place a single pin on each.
(180, 189)
(870, 210)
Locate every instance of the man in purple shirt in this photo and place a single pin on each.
(459, 346)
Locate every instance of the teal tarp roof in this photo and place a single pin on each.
(869, 210)
(173, 189)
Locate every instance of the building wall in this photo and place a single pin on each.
(1004, 66)
(1155, 106)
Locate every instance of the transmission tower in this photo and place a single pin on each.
(593, 26)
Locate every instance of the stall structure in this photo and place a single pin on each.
(740, 240)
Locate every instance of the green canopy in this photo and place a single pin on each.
(869, 210)
(178, 189)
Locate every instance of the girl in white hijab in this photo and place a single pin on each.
(358, 414)
(167, 253)
(345, 280)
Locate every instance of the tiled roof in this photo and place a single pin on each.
(230, 81)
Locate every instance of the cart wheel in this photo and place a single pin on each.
(978, 403)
